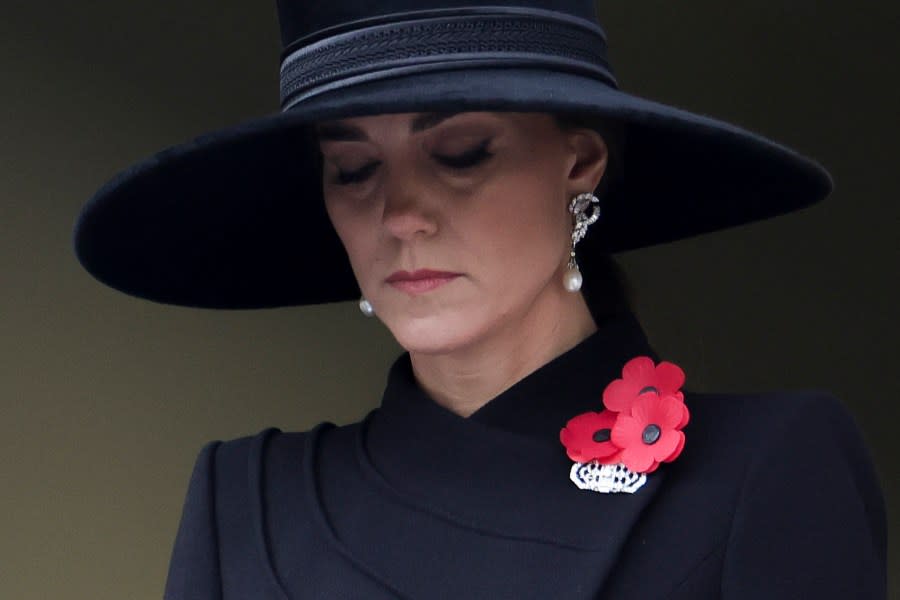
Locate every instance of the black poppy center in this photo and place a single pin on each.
(649, 388)
(651, 434)
(601, 435)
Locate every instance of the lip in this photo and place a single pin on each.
(420, 281)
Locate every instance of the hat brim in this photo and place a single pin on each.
(235, 218)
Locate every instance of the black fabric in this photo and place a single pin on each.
(774, 496)
(454, 38)
(302, 19)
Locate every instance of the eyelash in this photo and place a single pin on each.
(463, 161)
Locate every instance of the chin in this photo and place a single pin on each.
(433, 335)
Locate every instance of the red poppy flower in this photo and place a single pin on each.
(639, 377)
(650, 434)
(587, 437)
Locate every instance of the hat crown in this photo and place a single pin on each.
(301, 18)
(330, 48)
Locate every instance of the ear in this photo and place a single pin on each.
(588, 158)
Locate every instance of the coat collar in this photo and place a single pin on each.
(503, 470)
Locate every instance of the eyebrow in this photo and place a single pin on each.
(338, 132)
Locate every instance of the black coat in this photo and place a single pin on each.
(774, 496)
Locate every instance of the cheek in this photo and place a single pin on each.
(355, 233)
(522, 232)
(534, 205)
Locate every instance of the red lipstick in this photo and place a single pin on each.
(420, 281)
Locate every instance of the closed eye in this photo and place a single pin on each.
(358, 176)
(463, 161)
(468, 159)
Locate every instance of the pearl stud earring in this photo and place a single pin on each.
(585, 209)
(366, 307)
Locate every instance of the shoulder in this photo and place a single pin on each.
(223, 524)
(761, 419)
(807, 501)
(233, 467)
(804, 429)
(758, 405)
(775, 448)
(775, 421)
(270, 453)
(234, 479)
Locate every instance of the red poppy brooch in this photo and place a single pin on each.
(640, 428)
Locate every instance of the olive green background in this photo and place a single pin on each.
(107, 399)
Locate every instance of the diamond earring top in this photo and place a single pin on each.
(585, 209)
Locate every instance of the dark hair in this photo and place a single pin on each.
(607, 289)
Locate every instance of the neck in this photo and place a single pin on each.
(464, 380)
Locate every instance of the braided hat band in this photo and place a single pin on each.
(443, 40)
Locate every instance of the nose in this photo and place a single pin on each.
(406, 213)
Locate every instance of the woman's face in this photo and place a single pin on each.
(482, 198)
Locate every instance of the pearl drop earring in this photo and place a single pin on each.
(572, 278)
(366, 307)
(583, 218)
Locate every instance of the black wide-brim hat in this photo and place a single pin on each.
(235, 218)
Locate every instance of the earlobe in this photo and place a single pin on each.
(591, 157)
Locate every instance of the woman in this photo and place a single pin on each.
(463, 171)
